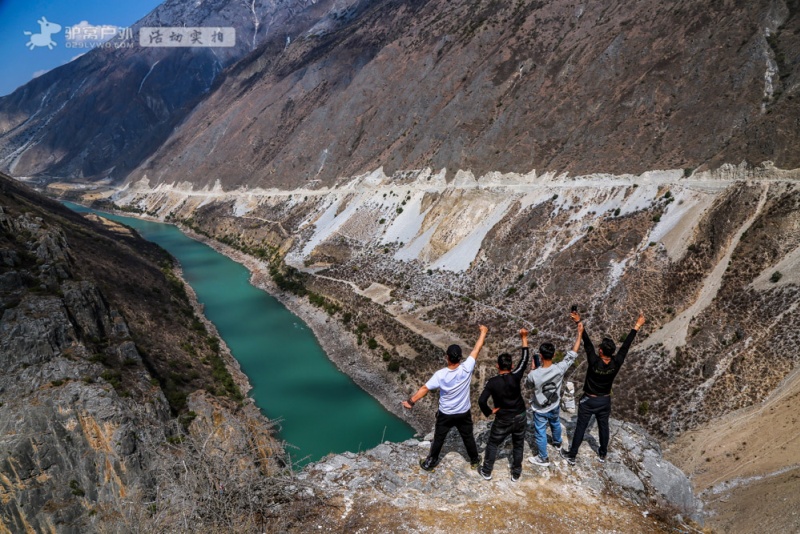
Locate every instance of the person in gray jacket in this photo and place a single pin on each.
(546, 382)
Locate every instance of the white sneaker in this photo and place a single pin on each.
(538, 460)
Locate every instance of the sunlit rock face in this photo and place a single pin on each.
(338, 89)
(509, 87)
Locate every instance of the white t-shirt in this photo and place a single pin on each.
(454, 385)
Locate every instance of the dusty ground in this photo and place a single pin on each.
(527, 507)
(746, 465)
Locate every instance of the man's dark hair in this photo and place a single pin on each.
(547, 350)
(608, 347)
(504, 361)
(453, 354)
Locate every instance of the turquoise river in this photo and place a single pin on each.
(320, 409)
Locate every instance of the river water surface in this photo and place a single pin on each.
(321, 410)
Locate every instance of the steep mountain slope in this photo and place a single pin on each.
(101, 350)
(502, 86)
(406, 84)
(100, 115)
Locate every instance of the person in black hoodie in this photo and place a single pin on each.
(509, 412)
(596, 401)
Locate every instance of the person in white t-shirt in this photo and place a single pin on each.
(454, 402)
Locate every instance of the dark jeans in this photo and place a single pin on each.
(463, 422)
(501, 428)
(600, 407)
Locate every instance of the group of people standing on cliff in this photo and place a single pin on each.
(545, 378)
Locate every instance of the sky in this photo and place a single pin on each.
(19, 64)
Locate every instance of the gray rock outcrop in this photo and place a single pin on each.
(635, 472)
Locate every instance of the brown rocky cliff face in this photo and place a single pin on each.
(493, 86)
(95, 371)
(480, 85)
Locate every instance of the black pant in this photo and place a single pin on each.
(463, 422)
(600, 407)
(501, 428)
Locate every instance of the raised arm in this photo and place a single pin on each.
(479, 344)
(626, 345)
(408, 404)
(577, 344)
(526, 355)
(588, 346)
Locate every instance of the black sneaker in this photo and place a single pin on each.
(565, 454)
(484, 474)
(557, 445)
(475, 464)
(515, 477)
(428, 464)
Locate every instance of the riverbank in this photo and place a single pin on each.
(339, 344)
(231, 363)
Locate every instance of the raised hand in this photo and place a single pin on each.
(639, 322)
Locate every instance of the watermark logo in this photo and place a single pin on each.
(173, 37)
(86, 35)
(44, 37)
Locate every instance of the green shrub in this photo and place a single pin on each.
(372, 344)
(777, 275)
(394, 366)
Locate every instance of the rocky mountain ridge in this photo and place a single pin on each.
(336, 89)
(100, 115)
(489, 86)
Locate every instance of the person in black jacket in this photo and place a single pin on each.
(509, 412)
(596, 401)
